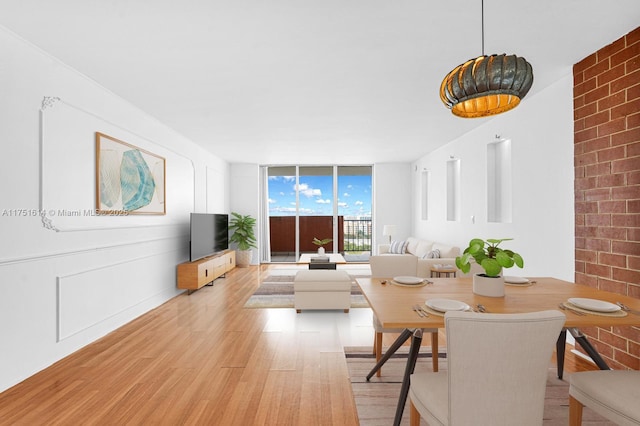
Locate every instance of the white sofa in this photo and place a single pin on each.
(422, 250)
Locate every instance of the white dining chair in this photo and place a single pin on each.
(496, 373)
(389, 266)
(612, 394)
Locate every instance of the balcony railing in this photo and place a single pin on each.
(357, 235)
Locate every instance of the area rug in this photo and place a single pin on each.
(377, 399)
(276, 291)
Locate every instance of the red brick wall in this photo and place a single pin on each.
(607, 184)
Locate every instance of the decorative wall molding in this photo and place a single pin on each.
(47, 223)
(49, 102)
(68, 253)
(67, 172)
(86, 298)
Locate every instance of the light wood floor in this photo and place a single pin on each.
(203, 359)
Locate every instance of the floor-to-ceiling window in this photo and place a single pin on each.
(324, 202)
(354, 207)
(316, 208)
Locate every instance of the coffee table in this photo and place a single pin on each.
(333, 258)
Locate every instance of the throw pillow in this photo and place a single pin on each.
(398, 247)
(433, 254)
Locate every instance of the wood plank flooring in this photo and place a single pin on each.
(202, 359)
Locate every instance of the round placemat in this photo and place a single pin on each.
(616, 314)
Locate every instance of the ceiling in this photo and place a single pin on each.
(309, 82)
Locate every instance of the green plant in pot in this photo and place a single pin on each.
(243, 236)
(321, 243)
(492, 259)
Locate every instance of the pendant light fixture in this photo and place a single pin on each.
(486, 85)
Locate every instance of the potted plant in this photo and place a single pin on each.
(321, 243)
(243, 236)
(492, 259)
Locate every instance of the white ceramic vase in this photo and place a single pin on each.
(488, 286)
(320, 250)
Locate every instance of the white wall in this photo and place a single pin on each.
(245, 197)
(392, 198)
(61, 290)
(541, 134)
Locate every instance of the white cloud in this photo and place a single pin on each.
(321, 201)
(283, 209)
(289, 210)
(343, 204)
(346, 194)
(271, 201)
(359, 203)
(283, 178)
(308, 192)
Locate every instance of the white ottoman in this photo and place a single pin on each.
(322, 289)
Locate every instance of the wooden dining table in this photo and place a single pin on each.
(392, 304)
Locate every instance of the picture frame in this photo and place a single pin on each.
(129, 180)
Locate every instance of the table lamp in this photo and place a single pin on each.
(388, 230)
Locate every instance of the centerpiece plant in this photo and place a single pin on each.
(489, 256)
(321, 243)
(492, 259)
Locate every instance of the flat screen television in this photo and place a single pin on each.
(209, 234)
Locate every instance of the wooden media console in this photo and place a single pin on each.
(193, 275)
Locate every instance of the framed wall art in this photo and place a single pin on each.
(129, 180)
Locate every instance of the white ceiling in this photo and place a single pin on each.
(309, 82)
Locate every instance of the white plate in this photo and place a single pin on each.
(408, 280)
(594, 304)
(516, 280)
(444, 305)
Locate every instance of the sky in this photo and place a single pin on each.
(316, 196)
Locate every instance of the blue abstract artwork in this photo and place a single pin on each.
(129, 180)
(136, 181)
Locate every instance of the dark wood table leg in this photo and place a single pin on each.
(406, 333)
(591, 351)
(416, 340)
(560, 346)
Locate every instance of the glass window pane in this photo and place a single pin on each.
(315, 195)
(282, 213)
(354, 210)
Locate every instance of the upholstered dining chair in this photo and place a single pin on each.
(612, 394)
(389, 266)
(496, 373)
